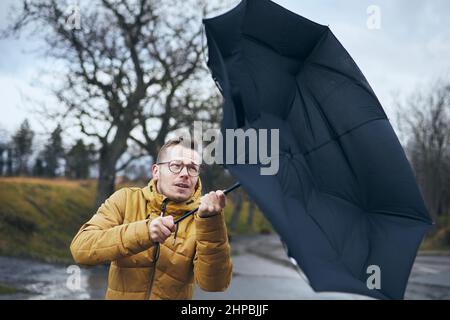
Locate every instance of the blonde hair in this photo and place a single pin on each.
(187, 143)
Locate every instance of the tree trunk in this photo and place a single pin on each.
(109, 155)
(105, 183)
(2, 164)
(9, 163)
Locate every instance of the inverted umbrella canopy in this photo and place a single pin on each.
(344, 198)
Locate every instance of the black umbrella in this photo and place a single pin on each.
(345, 200)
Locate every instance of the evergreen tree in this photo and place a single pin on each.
(53, 153)
(78, 160)
(22, 148)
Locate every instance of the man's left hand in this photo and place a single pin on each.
(211, 204)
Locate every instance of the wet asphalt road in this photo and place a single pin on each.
(257, 274)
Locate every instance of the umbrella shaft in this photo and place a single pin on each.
(187, 214)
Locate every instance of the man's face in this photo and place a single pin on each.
(180, 186)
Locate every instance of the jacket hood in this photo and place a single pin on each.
(155, 199)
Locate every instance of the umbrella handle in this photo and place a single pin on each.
(187, 214)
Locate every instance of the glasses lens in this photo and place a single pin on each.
(176, 166)
(193, 170)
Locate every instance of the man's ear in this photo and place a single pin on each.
(155, 171)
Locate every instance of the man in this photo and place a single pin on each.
(134, 230)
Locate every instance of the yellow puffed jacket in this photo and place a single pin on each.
(118, 233)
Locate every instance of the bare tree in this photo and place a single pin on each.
(425, 120)
(128, 66)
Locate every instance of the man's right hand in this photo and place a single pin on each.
(161, 228)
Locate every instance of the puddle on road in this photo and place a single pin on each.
(43, 280)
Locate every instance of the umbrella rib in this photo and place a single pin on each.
(316, 222)
(333, 133)
(343, 134)
(261, 43)
(353, 79)
(305, 109)
(400, 215)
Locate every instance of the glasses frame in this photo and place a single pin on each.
(182, 167)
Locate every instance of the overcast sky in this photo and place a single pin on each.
(410, 49)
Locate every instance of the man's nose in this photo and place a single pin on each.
(184, 172)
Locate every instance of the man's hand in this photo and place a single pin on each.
(161, 228)
(211, 204)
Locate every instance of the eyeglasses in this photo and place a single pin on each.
(176, 166)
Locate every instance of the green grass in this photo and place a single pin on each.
(39, 217)
(439, 240)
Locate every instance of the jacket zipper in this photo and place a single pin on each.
(156, 253)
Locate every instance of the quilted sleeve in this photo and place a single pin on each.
(105, 238)
(212, 260)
